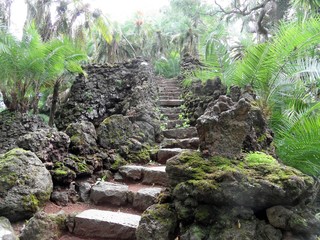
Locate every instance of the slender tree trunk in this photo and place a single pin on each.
(55, 97)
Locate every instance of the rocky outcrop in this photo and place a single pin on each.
(198, 96)
(157, 222)
(25, 184)
(13, 125)
(49, 145)
(43, 226)
(119, 133)
(227, 128)
(109, 90)
(256, 198)
(6, 230)
(83, 138)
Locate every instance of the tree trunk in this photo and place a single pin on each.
(55, 97)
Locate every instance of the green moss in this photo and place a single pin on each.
(30, 203)
(258, 158)
(118, 162)
(142, 156)
(60, 172)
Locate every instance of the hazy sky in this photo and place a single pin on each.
(118, 10)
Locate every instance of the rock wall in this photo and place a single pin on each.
(14, 125)
(126, 89)
(219, 198)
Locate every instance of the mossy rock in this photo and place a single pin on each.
(44, 227)
(259, 181)
(159, 222)
(25, 184)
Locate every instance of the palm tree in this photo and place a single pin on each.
(29, 66)
(285, 74)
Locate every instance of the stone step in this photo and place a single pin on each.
(169, 90)
(173, 103)
(147, 175)
(186, 143)
(170, 110)
(180, 133)
(166, 153)
(107, 193)
(171, 84)
(106, 225)
(172, 116)
(170, 94)
(173, 123)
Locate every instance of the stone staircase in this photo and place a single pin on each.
(136, 187)
(176, 137)
(128, 195)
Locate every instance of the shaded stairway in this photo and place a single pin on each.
(134, 188)
(177, 138)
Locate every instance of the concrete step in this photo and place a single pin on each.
(173, 103)
(166, 153)
(107, 193)
(180, 133)
(155, 175)
(106, 225)
(186, 143)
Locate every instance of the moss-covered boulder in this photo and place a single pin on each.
(257, 182)
(83, 138)
(118, 132)
(49, 144)
(43, 226)
(158, 222)
(25, 184)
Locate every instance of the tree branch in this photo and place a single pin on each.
(243, 12)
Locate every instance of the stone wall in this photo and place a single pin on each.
(106, 90)
(14, 125)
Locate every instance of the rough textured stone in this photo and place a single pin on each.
(106, 225)
(223, 127)
(49, 145)
(14, 125)
(109, 90)
(105, 192)
(44, 227)
(83, 138)
(84, 191)
(227, 128)
(61, 198)
(165, 153)
(158, 222)
(25, 184)
(131, 172)
(187, 143)
(145, 197)
(155, 175)
(118, 132)
(6, 230)
(294, 220)
(180, 133)
(217, 181)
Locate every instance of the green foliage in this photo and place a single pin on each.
(168, 67)
(268, 66)
(297, 138)
(30, 66)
